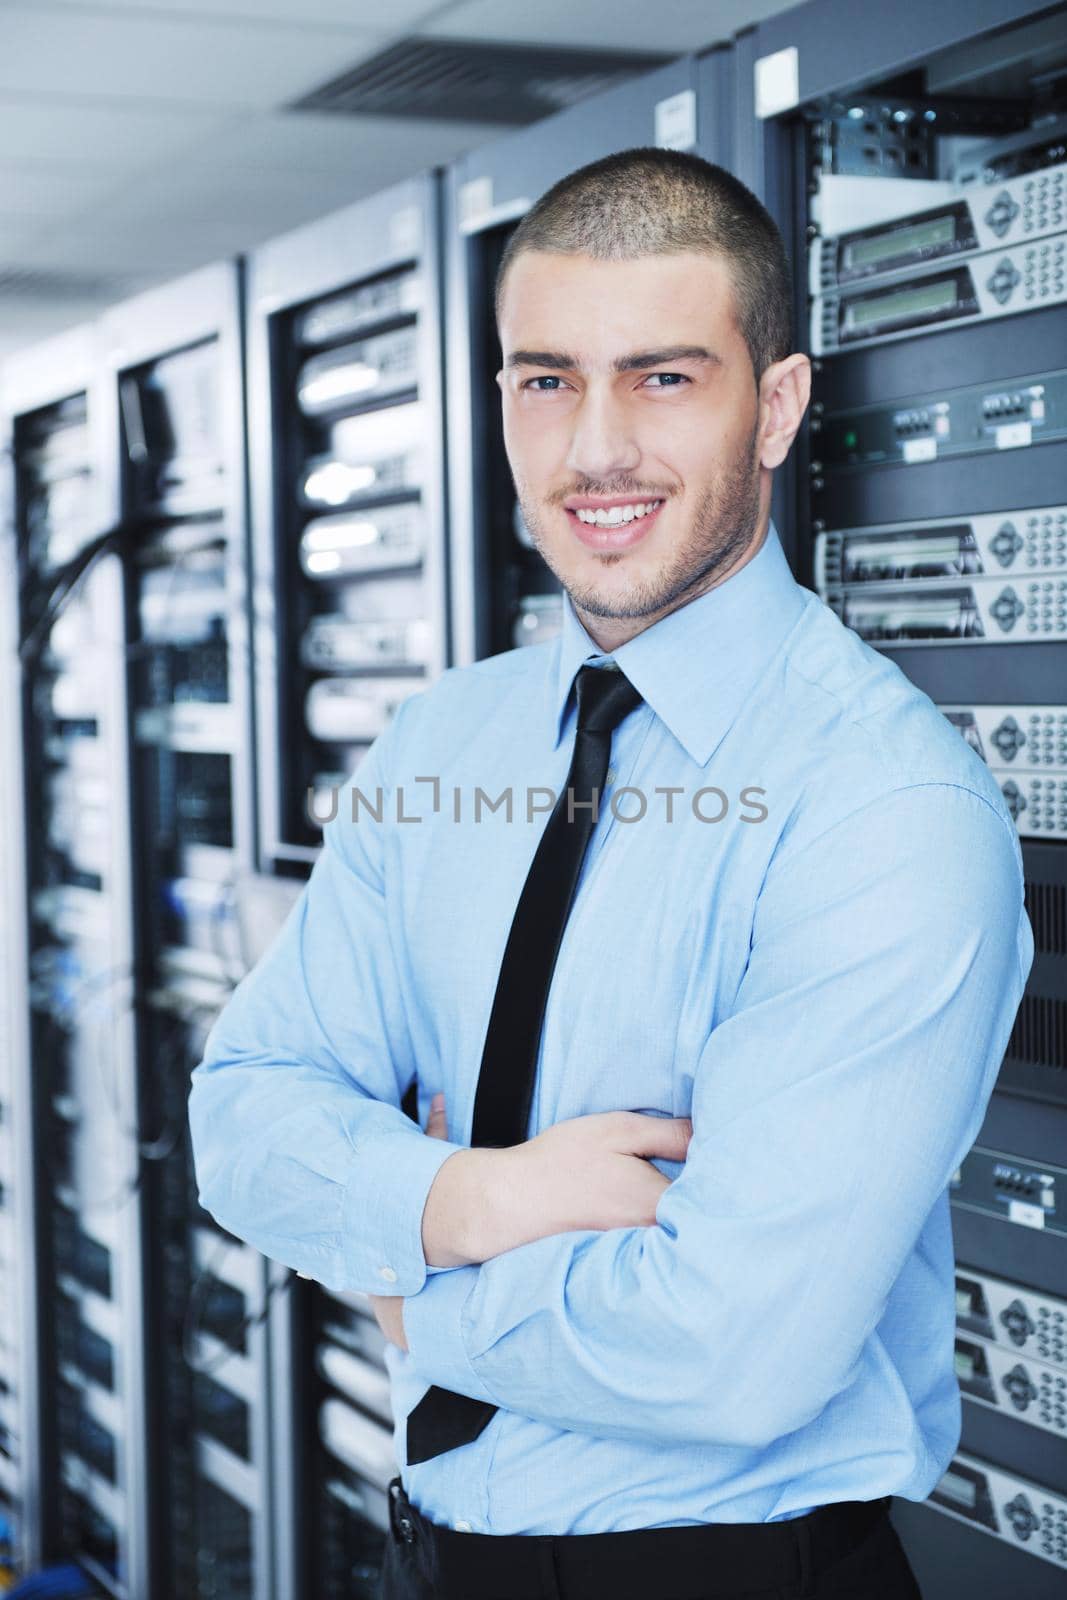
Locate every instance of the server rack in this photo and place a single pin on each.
(917, 179)
(150, 1406)
(346, 440)
(176, 482)
(83, 1463)
(346, 436)
(27, 386)
(503, 594)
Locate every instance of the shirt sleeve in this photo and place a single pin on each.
(299, 1142)
(830, 1110)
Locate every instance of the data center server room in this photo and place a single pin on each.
(533, 876)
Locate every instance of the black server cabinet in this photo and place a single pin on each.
(177, 481)
(346, 436)
(81, 1226)
(503, 593)
(350, 616)
(917, 176)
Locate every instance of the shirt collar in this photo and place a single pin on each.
(697, 665)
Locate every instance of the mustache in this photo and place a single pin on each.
(609, 487)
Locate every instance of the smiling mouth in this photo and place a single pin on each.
(614, 516)
(614, 528)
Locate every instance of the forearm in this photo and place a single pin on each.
(312, 1173)
(299, 1140)
(462, 1222)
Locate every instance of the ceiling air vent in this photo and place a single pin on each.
(462, 81)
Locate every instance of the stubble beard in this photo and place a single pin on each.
(722, 528)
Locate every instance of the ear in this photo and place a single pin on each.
(784, 390)
(500, 380)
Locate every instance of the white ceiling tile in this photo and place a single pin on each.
(121, 137)
(120, 244)
(180, 224)
(17, 235)
(40, 189)
(363, 15)
(215, 205)
(155, 59)
(671, 26)
(321, 142)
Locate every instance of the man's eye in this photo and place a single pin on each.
(667, 380)
(553, 385)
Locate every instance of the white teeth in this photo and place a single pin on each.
(617, 515)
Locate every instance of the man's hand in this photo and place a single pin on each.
(588, 1172)
(389, 1311)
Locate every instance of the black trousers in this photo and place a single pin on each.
(839, 1552)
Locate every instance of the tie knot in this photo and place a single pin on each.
(605, 695)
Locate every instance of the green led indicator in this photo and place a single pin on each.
(852, 439)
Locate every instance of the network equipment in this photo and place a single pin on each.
(1036, 151)
(1025, 747)
(349, 548)
(997, 283)
(1020, 209)
(979, 419)
(1030, 1391)
(929, 516)
(1017, 1319)
(1029, 541)
(90, 1436)
(1028, 1193)
(1005, 1505)
(985, 610)
(902, 583)
(181, 483)
(1010, 1350)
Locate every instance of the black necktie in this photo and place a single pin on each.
(442, 1420)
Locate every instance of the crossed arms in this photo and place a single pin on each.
(829, 1111)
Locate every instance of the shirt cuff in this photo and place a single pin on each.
(433, 1328)
(381, 1217)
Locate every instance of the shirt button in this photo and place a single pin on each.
(387, 1273)
(462, 1526)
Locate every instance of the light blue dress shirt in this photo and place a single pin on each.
(800, 921)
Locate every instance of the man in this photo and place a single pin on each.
(671, 1314)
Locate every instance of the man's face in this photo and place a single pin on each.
(633, 427)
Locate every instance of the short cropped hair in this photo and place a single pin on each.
(648, 201)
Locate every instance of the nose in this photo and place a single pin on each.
(602, 441)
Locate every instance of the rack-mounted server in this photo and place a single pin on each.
(347, 455)
(177, 478)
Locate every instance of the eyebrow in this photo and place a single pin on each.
(639, 361)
